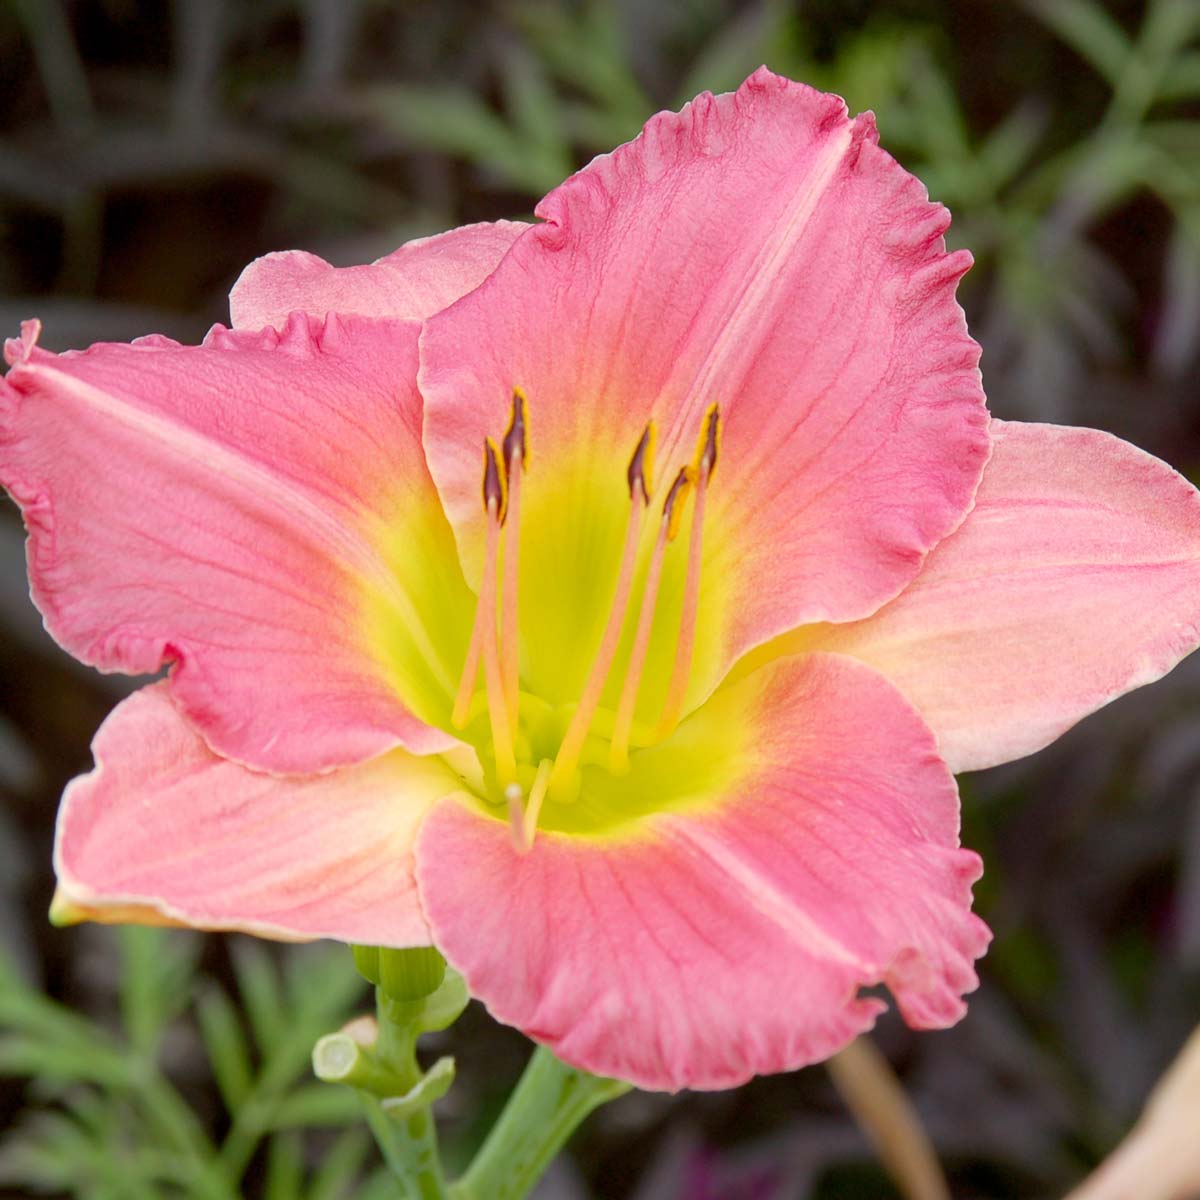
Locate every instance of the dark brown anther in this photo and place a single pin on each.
(710, 441)
(641, 466)
(495, 489)
(516, 439)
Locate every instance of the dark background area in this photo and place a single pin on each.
(149, 150)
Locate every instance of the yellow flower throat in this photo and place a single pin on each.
(536, 759)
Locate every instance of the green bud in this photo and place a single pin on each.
(366, 959)
(446, 1005)
(410, 974)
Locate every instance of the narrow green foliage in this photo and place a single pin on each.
(155, 968)
(105, 1121)
(225, 1044)
(342, 1163)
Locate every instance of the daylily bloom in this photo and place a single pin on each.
(607, 601)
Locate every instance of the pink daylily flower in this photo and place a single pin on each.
(660, 759)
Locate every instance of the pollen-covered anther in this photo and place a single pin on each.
(675, 503)
(708, 445)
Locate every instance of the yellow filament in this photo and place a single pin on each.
(682, 669)
(506, 765)
(619, 750)
(581, 721)
(466, 685)
(510, 632)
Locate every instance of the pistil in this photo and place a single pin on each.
(704, 464)
(639, 478)
(668, 527)
(523, 822)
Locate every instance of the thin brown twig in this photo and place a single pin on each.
(885, 1114)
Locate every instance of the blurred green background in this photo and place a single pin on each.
(149, 150)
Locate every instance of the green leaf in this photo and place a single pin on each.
(285, 1168)
(585, 50)
(64, 1062)
(1089, 31)
(156, 972)
(225, 1044)
(341, 1164)
(380, 1185)
(316, 1105)
(454, 121)
(751, 38)
(535, 113)
(943, 124)
(260, 992)
(1181, 79)
(1009, 146)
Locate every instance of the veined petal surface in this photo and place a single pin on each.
(759, 251)
(729, 933)
(232, 509)
(1075, 578)
(163, 829)
(411, 283)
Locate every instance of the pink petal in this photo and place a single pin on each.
(757, 250)
(163, 824)
(413, 282)
(729, 937)
(218, 508)
(1075, 579)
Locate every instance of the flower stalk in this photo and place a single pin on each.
(416, 993)
(547, 1106)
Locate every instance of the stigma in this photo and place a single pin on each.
(526, 773)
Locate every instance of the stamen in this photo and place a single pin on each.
(516, 440)
(640, 472)
(495, 481)
(523, 824)
(581, 721)
(516, 459)
(669, 526)
(493, 494)
(483, 637)
(705, 463)
(466, 685)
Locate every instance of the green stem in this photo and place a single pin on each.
(164, 1109)
(547, 1106)
(409, 1147)
(409, 1143)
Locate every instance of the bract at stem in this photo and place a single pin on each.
(547, 1106)
(378, 1057)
